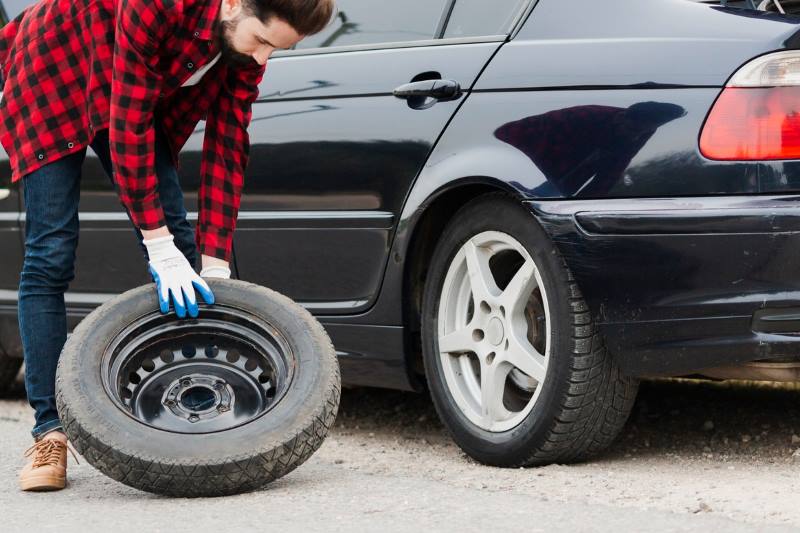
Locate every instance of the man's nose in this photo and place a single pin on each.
(262, 56)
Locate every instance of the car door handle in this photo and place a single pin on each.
(441, 90)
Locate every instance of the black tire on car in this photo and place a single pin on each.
(580, 402)
(9, 368)
(208, 406)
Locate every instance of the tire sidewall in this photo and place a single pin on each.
(506, 215)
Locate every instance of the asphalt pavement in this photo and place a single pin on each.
(692, 457)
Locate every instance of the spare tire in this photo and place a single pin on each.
(208, 406)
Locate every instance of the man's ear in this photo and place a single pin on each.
(231, 8)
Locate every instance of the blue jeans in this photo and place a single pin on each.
(51, 238)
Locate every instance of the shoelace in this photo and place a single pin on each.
(47, 452)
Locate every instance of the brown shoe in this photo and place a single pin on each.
(48, 468)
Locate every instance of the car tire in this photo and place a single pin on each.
(9, 368)
(215, 405)
(496, 281)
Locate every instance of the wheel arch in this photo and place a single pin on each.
(430, 220)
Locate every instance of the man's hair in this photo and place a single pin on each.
(307, 17)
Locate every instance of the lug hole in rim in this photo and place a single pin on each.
(490, 358)
(212, 351)
(167, 356)
(134, 378)
(148, 365)
(478, 335)
(486, 308)
(189, 350)
(232, 356)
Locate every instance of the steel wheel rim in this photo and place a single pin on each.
(213, 373)
(494, 344)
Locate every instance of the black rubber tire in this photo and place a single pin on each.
(212, 464)
(584, 402)
(9, 368)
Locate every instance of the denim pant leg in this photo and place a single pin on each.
(51, 237)
(170, 193)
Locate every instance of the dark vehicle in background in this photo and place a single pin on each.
(526, 205)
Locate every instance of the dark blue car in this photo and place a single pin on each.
(524, 205)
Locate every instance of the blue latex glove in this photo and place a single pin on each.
(175, 278)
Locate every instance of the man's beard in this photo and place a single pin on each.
(229, 54)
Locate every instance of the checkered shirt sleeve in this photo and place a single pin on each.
(226, 148)
(135, 86)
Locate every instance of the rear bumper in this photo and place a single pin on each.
(681, 284)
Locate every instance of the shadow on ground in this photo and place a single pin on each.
(736, 421)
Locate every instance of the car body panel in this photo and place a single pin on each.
(12, 246)
(589, 116)
(333, 154)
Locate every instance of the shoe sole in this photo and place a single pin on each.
(43, 483)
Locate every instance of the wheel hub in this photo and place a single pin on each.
(495, 333)
(198, 397)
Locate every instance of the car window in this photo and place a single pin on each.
(13, 8)
(472, 18)
(379, 21)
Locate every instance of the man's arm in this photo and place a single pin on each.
(135, 85)
(226, 147)
(141, 25)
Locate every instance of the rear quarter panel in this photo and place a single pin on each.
(598, 107)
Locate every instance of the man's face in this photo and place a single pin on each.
(245, 40)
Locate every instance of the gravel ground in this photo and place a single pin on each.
(694, 455)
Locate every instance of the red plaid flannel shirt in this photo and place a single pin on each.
(73, 67)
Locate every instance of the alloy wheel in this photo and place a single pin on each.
(493, 331)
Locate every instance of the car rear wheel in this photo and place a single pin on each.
(207, 406)
(9, 368)
(516, 367)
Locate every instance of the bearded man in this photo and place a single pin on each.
(131, 79)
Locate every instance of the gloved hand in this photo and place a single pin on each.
(174, 275)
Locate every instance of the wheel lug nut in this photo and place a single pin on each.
(223, 408)
(186, 383)
(219, 385)
(170, 403)
(194, 418)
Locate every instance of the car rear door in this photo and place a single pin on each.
(108, 260)
(334, 152)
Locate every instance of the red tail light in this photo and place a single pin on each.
(757, 115)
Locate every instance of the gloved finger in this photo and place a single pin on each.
(162, 291)
(191, 301)
(204, 290)
(177, 298)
